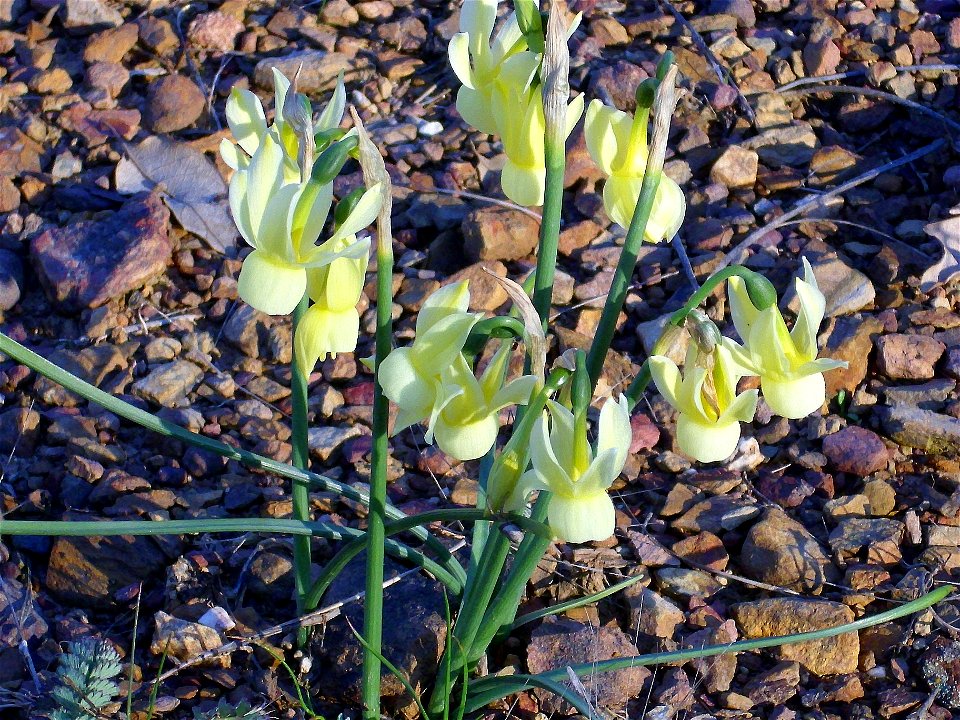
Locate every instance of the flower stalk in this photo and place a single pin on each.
(300, 493)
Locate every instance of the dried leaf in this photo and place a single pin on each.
(947, 233)
(190, 184)
(536, 340)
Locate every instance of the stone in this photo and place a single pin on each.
(486, 293)
(850, 340)
(735, 168)
(821, 58)
(652, 614)
(19, 154)
(174, 102)
(567, 642)
(157, 34)
(786, 616)
(931, 395)
(11, 280)
(88, 571)
(742, 10)
(111, 77)
(882, 497)
(703, 549)
(908, 357)
(717, 671)
(880, 537)
(686, 583)
(111, 45)
(54, 81)
(793, 144)
(924, 430)
(9, 195)
(776, 685)
(97, 126)
(21, 618)
(856, 450)
(324, 440)
(184, 640)
(90, 15)
(845, 289)
(169, 383)
(339, 13)
(10, 10)
(496, 233)
(780, 551)
(89, 263)
(319, 70)
(620, 82)
(214, 30)
(716, 514)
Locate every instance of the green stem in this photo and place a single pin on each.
(144, 419)
(376, 534)
(549, 229)
(301, 459)
(622, 276)
(269, 526)
(639, 384)
(705, 290)
(488, 689)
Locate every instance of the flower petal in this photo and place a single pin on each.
(707, 442)
(524, 185)
(322, 332)
(405, 385)
(515, 392)
(474, 108)
(458, 52)
(583, 519)
(606, 130)
(332, 114)
(666, 216)
(796, 397)
(468, 441)
(232, 156)
(620, 195)
(553, 474)
(812, 307)
(742, 309)
(270, 284)
(439, 347)
(614, 431)
(667, 378)
(246, 119)
(364, 213)
(528, 483)
(742, 409)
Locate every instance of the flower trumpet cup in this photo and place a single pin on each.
(580, 509)
(705, 395)
(466, 426)
(617, 142)
(791, 375)
(477, 62)
(411, 376)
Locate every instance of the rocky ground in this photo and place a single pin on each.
(121, 266)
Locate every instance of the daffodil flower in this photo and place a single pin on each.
(466, 425)
(282, 221)
(791, 375)
(477, 62)
(708, 428)
(577, 475)
(332, 324)
(411, 376)
(517, 107)
(617, 142)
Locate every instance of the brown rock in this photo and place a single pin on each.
(111, 77)
(704, 549)
(173, 103)
(19, 154)
(717, 671)
(91, 262)
(157, 34)
(652, 614)
(339, 13)
(89, 15)
(850, 340)
(214, 31)
(735, 168)
(485, 292)
(318, 70)
(880, 537)
(620, 82)
(578, 236)
(780, 551)
(51, 82)
(821, 58)
(95, 125)
(496, 233)
(566, 642)
(786, 616)
(111, 45)
(908, 357)
(856, 450)
(184, 640)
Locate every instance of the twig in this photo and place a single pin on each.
(681, 251)
(739, 252)
(872, 92)
(712, 60)
(933, 67)
(484, 198)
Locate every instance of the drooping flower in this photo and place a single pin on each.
(577, 475)
(705, 395)
(466, 425)
(332, 324)
(791, 375)
(282, 221)
(517, 107)
(476, 60)
(617, 142)
(411, 376)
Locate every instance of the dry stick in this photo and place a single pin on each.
(934, 67)
(712, 60)
(476, 196)
(871, 92)
(739, 251)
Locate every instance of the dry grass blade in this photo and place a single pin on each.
(556, 72)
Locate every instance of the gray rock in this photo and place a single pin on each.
(880, 537)
(10, 10)
(90, 15)
(17, 601)
(922, 429)
(908, 357)
(792, 145)
(319, 70)
(929, 396)
(324, 440)
(686, 583)
(652, 614)
(169, 383)
(780, 551)
(846, 289)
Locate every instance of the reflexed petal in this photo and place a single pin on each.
(232, 156)
(458, 52)
(280, 87)
(812, 307)
(439, 347)
(271, 285)
(606, 131)
(321, 332)
(365, 212)
(477, 18)
(492, 379)
(344, 283)
(403, 383)
(332, 114)
(309, 213)
(358, 249)
(265, 177)
(820, 365)
(506, 39)
(599, 476)
(707, 443)
(742, 309)
(667, 213)
(246, 119)
(543, 458)
(666, 376)
(794, 398)
(582, 519)
(475, 109)
(529, 482)
(273, 234)
(770, 344)
(741, 356)
(620, 195)
(574, 111)
(561, 435)
(468, 441)
(743, 407)
(449, 298)
(614, 431)
(470, 401)
(525, 186)
(237, 196)
(515, 392)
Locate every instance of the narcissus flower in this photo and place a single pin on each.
(791, 375)
(411, 376)
(517, 107)
(577, 475)
(467, 424)
(476, 60)
(708, 428)
(617, 142)
(332, 324)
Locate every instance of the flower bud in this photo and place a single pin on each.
(704, 333)
(646, 92)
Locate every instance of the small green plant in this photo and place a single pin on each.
(225, 711)
(86, 681)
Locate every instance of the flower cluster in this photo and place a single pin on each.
(281, 201)
(791, 375)
(432, 380)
